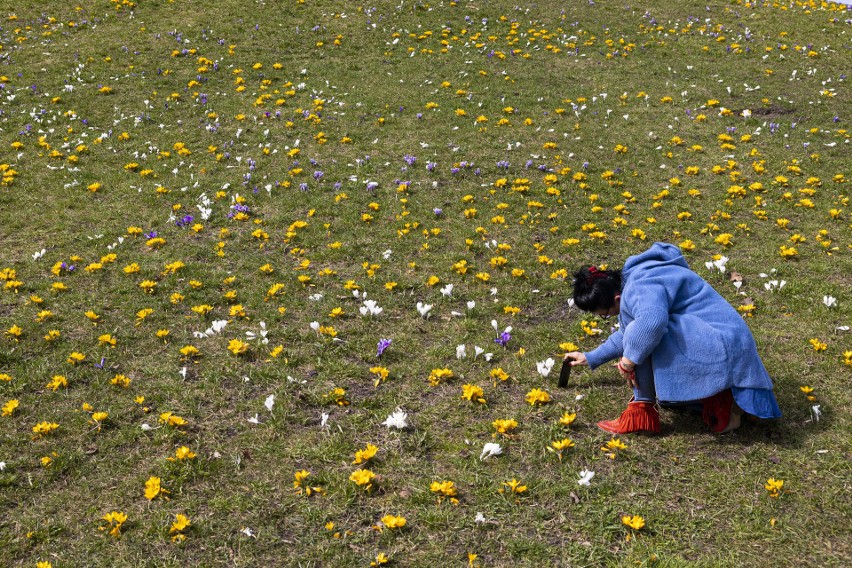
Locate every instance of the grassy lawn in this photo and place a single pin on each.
(213, 216)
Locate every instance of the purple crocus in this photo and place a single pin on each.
(184, 221)
(382, 345)
(503, 339)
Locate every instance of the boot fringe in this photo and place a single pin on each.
(638, 417)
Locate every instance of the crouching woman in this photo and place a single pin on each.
(678, 341)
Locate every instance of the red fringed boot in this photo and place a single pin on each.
(721, 413)
(639, 417)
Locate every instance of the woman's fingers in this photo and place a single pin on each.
(576, 358)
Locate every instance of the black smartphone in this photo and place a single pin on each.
(565, 373)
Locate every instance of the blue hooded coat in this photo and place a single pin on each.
(696, 343)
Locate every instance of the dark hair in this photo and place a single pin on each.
(595, 289)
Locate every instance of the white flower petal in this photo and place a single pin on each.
(491, 449)
(399, 420)
(585, 477)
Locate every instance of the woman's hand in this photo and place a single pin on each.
(577, 359)
(627, 370)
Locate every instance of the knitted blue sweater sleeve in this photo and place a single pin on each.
(650, 322)
(609, 350)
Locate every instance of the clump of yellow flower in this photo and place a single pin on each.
(445, 489)
(114, 520)
(635, 522)
(171, 419)
(774, 487)
(301, 485)
(10, 406)
(504, 426)
(180, 524)
(567, 419)
(473, 393)
(612, 446)
(237, 347)
(381, 374)
(439, 375)
(499, 374)
(559, 446)
(363, 478)
(365, 455)
(537, 397)
(392, 522)
(513, 486)
(182, 453)
(154, 489)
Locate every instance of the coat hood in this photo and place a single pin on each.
(659, 255)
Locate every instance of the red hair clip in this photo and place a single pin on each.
(594, 274)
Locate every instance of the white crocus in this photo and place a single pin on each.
(719, 264)
(815, 412)
(585, 477)
(461, 351)
(490, 449)
(447, 290)
(829, 301)
(544, 367)
(424, 309)
(269, 402)
(398, 420)
(371, 308)
(251, 336)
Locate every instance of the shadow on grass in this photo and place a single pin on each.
(796, 426)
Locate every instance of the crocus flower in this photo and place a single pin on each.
(398, 420)
(544, 367)
(382, 346)
(491, 449)
(503, 339)
(461, 351)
